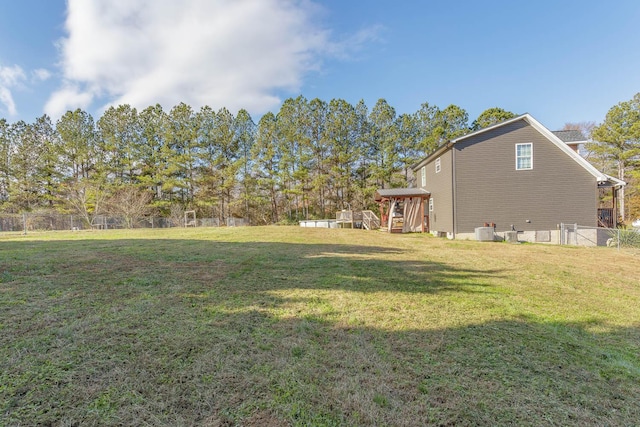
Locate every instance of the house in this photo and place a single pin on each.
(573, 138)
(515, 175)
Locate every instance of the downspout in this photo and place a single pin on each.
(453, 190)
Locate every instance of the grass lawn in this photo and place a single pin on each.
(271, 326)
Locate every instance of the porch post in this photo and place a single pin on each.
(422, 199)
(614, 196)
(381, 209)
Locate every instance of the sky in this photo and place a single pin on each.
(561, 61)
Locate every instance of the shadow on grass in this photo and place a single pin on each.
(254, 369)
(262, 266)
(166, 332)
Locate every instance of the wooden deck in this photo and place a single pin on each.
(357, 219)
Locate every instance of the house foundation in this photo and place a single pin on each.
(587, 236)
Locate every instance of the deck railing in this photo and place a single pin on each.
(358, 219)
(370, 220)
(344, 216)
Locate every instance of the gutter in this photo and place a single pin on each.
(617, 182)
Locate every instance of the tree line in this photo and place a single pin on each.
(308, 160)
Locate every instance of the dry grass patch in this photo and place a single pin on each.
(293, 326)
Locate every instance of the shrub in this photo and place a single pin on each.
(626, 238)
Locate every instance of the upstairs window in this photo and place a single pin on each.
(524, 156)
(438, 167)
(423, 174)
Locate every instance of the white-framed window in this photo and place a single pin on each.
(524, 156)
(431, 204)
(423, 175)
(438, 165)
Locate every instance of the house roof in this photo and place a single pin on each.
(612, 182)
(572, 136)
(551, 136)
(385, 193)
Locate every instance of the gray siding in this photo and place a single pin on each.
(441, 187)
(490, 189)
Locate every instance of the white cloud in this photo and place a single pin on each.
(231, 53)
(10, 77)
(353, 44)
(68, 97)
(41, 74)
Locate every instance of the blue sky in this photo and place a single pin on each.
(561, 61)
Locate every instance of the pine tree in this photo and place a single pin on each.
(5, 161)
(617, 140)
(266, 160)
(384, 146)
(245, 130)
(78, 144)
(342, 136)
(154, 151)
(121, 143)
(182, 153)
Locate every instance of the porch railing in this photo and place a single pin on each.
(606, 218)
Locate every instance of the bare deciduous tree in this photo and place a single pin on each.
(87, 199)
(585, 127)
(131, 203)
(176, 215)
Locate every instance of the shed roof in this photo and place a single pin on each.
(400, 192)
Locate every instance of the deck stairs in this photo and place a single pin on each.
(370, 220)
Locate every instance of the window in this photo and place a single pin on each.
(431, 204)
(438, 166)
(423, 173)
(524, 156)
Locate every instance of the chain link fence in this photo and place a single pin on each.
(27, 222)
(580, 235)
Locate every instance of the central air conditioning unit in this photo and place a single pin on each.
(484, 234)
(511, 236)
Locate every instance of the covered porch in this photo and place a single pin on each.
(403, 210)
(608, 213)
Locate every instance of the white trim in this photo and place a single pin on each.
(440, 150)
(600, 177)
(616, 181)
(497, 125)
(530, 156)
(586, 141)
(423, 176)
